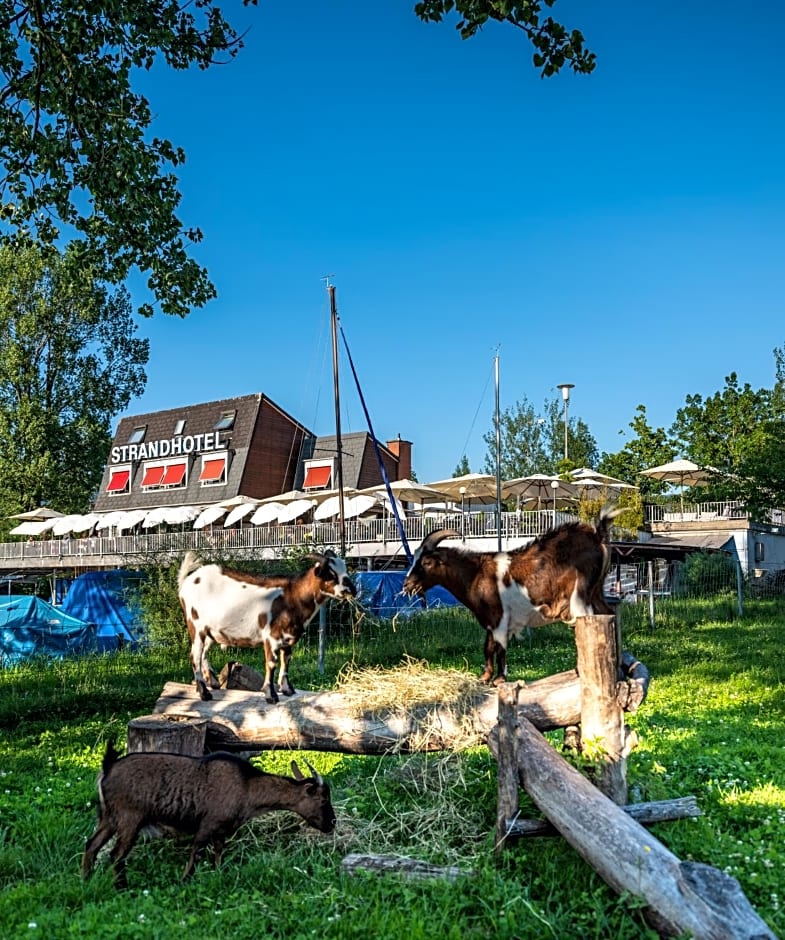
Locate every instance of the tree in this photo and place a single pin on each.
(739, 432)
(462, 468)
(76, 154)
(69, 364)
(649, 448)
(534, 443)
(554, 45)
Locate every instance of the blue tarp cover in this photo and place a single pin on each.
(109, 599)
(381, 592)
(29, 626)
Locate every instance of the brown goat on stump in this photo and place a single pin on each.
(208, 797)
(233, 608)
(558, 576)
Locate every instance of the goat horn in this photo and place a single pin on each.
(432, 540)
(314, 773)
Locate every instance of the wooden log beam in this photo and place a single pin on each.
(682, 897)
(647, 814)
(327, 721)
(400, 865)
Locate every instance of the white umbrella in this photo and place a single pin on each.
(32, 527)
(131, 518)
(295, 509)
(600, 489)
(267, 512)
(179, 515)
(239, 512)
(209, 515)
(586, 473)
(39, 514)
(539, 487)
(154, 517)
(87, 522)
(110, 519)
(477, 488)
(410, 491)
(357, 505)
(331, 506)
(65, 524)
(681, 472)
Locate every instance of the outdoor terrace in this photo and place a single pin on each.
(366, 539)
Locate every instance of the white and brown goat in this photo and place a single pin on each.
(207, 797)
(558, 576)
(234, 608)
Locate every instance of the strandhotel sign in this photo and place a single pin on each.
(168, 447)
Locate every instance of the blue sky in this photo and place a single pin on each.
(623, 231)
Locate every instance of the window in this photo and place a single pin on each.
(213, 471)
(226, 421)
(174, 475)
(137, 435)
(119, 481)
(318, 476)
(760, 551)
(153, 475)
(179, 427)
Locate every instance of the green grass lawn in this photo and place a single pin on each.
(713, 725)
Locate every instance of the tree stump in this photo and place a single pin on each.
(159, 733)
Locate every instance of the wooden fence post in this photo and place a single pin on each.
(602, 718)
(507, 773)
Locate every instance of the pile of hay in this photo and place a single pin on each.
(425, 698)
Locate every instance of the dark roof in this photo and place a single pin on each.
(669, 549)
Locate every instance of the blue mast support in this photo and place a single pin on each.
(382, 468)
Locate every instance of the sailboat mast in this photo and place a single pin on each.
(338, 444)
(498, 456)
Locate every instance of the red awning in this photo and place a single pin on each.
(212, 470)
(317, 476)
(174, 475)
(118, 481)
(153, 476)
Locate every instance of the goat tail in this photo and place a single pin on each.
(603, 524)
(190, 563)
(111, 755)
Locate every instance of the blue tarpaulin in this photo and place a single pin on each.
(109, 599)
(381, 593)
(29, 626)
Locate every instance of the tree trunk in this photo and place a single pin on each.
(326, 721)
(162, 733)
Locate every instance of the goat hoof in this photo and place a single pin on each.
(204, 693)
(499, 680)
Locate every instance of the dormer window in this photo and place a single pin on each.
(318, 475)
(137, 435)
(179, 427)
(226, 421)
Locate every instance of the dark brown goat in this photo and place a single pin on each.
(206, 797)
(233, 608)
(558, 576)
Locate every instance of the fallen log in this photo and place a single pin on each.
(647, 814)
(326, 721)
(682, 897)
(400, 865)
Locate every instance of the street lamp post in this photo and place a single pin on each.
(462, 491)
(554, 487)
(565, 394)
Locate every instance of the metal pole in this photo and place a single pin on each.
(338, 444)
(498, 459)
(565, 394)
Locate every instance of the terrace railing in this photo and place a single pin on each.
(364, 537)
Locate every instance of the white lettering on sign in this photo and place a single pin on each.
(167, 447)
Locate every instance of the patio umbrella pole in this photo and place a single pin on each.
(338, 446)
